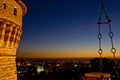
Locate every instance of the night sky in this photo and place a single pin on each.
(67, 28)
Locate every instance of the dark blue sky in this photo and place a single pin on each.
(67, 26)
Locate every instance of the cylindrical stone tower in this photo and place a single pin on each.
(11, 13)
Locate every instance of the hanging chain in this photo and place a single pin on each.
(113, 50)
(100, 51)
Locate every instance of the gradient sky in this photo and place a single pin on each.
(67, 28)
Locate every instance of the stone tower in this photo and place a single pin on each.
(11, 13)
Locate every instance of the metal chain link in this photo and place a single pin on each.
(113, 50)
(100, 51)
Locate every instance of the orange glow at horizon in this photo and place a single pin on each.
(65, 55)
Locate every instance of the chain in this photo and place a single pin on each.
(113, 50)
(100, 51)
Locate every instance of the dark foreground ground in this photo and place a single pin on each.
(63, 69)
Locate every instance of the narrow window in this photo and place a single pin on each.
(15, 11)
(4, 5)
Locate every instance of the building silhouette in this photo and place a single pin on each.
(11, 13)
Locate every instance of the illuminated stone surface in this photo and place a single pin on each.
(97, 76)
(11, 13)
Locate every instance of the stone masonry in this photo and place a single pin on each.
(11, 13)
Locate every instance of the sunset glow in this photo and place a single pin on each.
(67, 28)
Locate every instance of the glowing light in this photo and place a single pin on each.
(40, 69)
(57, 65)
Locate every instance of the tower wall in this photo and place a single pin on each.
(11, 13)
(7, 11)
